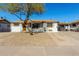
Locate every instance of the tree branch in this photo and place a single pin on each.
(18, 17)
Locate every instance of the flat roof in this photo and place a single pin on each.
(35, 21)
(74, 22)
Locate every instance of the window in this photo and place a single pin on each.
(35, 25)
(49, 24)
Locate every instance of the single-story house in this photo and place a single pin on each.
(36, 25)
(4, 25)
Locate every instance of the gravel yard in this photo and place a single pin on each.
(60, 43)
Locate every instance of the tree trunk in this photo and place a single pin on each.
(26, 25)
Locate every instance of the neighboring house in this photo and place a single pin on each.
(62, 26)
(74, 24)
(4, 25)
(36, 25)
(69, 26)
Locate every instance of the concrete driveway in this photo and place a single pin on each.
(40, 44)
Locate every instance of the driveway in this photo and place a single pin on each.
(40, 44)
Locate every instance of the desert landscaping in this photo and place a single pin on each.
(60, 43)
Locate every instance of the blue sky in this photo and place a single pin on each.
(63, 12)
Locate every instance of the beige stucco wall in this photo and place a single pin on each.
(16, 28)
(54, 27)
